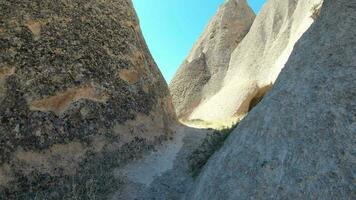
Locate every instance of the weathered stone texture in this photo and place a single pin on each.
(202, 73)
(71, 73)
(250, 67)
(300, 141)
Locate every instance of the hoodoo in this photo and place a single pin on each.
(253, 65)
(299, 142)
(86, 114)
(202, 73)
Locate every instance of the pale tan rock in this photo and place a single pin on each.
(300, 141)
(64, 156)
(258, 59)
(35, 27)
(60, 102)
(130, 76)
(202, 73)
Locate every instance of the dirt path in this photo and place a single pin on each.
(163, 174)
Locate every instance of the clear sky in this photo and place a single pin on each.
(171, 27)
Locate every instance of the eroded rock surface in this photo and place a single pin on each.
(255, 63)
(201, 74)
(300, 141)
(165, 173)
(79, 96)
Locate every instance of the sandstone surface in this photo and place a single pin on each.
(300, 141)
(202, 73)
(253, 66)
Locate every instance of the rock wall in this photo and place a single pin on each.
(257, 60)
(79, 96)
(201, 74)
(299, 142)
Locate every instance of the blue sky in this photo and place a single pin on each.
(171, 27)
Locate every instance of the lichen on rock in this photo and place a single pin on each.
(62, 97)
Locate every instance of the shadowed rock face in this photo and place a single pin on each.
(201, 74)
(79, 95)
(299, 142)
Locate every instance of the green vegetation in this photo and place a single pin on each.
(316, 11)
(212, 143)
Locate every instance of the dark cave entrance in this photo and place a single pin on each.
(259, 96)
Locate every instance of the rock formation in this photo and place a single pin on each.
(202, 73)
(79, 96)
(299, 142)
(257, 60)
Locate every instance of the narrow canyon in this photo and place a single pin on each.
(263, 106)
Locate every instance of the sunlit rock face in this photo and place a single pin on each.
(202, 73)
(299, 142)
(79, 96)
(257, 60)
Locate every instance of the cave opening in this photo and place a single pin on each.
(259, 96)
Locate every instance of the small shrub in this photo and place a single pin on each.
(212, 143)
(316, 11)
